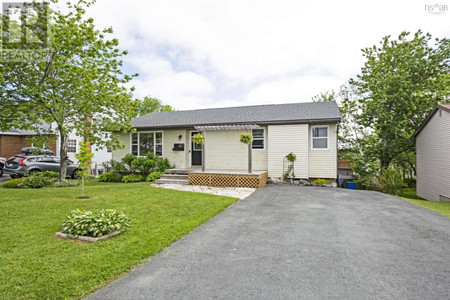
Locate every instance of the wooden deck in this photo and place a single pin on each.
(256, 179)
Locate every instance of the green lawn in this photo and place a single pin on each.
(443, 208)
(34, 264)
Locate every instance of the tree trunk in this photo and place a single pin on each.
(413, 168)
(82, 186)
(385, 162)
(64, 159)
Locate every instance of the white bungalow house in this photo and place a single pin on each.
(309, 130)
(433, 155)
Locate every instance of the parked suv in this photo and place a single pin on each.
(21, 165)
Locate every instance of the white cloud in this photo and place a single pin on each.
(202, 53)
(291, 89)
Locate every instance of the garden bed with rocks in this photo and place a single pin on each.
(89, 239)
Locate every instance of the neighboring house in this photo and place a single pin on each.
(433, 155)
(13, 140)
(309, 130)
(100, 155)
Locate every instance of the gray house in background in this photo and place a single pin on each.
(309, 130)
(433, 155)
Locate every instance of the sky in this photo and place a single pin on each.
(200, 54)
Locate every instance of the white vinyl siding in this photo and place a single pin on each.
(323, 162)
(224, 151)
(119, 153)
(177, 158)
(433, 158)
(282, 140)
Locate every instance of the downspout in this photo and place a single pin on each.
(337, 156)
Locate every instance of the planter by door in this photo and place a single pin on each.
(196, 153)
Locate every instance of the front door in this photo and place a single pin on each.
(196, 153)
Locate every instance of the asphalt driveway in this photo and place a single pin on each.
(290, 242)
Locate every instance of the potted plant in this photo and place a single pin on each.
(247, 138)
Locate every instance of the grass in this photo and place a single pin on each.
(34, 264)
(409, 194)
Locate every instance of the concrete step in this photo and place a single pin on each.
(172, 181)
(175, 176)
(178, 171)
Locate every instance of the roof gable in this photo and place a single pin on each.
(443, 106)
(260, 114)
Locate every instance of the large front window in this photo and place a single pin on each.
(145, 142)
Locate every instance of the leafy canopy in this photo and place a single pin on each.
(149, 105)
(79, 86)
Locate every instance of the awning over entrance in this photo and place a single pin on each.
(226, 127)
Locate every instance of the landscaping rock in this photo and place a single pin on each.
(87, 238)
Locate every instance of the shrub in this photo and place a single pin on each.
(391, 181)
(38, 180)
(110, 177)
(372, 183)
(94, 224)
(163, 164)
(128, 160)
(113, 166)
(411, 182)
(12, 183)
(320, 181)
(153, 176)
(133, 178)
(146, 165)
(66, 183)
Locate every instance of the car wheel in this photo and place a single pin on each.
(75, 175)
(1, 172)
(32, 172)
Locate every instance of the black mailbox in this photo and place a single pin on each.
(178, 147)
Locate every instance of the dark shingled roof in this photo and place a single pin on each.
(44, 128)
(310, 112)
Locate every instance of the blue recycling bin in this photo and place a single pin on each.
(351, 185)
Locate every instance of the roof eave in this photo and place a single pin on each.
(277, 122)
(428, 118)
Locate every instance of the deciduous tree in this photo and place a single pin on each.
(399, 84)
(79, 86)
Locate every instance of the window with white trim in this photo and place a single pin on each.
(145, 142)
(71, 146)
(319, 137)
(258, 138)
